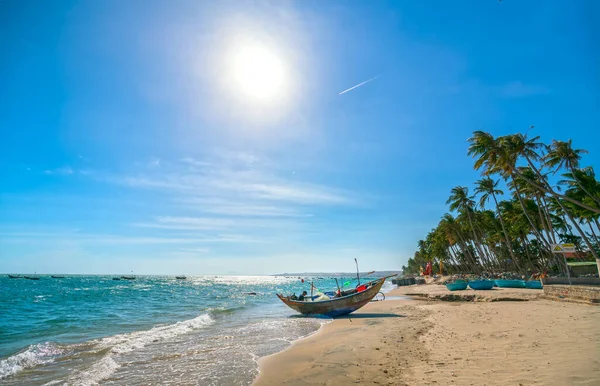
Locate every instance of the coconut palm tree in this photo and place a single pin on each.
(460, 201)
(488, 187)
(562, 155)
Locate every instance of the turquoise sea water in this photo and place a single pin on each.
(85, 330)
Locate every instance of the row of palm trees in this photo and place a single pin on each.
(491, 231)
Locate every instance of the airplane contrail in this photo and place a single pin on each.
(360, 84)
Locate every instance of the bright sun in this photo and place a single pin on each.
(258, 72)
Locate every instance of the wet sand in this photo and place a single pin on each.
(400, 342)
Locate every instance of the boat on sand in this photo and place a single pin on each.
(458, 285)
(348, 302)
(510, 283)
(481, 284)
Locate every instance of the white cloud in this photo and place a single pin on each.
(64, 171)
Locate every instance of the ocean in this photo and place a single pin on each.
(205, 330)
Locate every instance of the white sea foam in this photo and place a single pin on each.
(35, 355)
(100, 370)
(123, 343)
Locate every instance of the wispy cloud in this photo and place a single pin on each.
(108, 239)
(235, 178)
(234, 208)
(359, 85)
(64, 171)
(518, 89)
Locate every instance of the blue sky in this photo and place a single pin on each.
(126, 145)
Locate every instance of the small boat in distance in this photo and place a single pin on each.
(180, 277)
(116, 278)
(15, 276)
(32, 277)
(128, 277)
(57, 276)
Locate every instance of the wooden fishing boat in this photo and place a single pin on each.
(350, 301)
(15, 276)
(534, 284)
(458, 285)
(510, 283)
(32, 277)
(481, 284)
(180, 277)
(128, 277)
(57, 276)
(116, 278)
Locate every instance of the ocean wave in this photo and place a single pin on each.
(124, 343)
(100, 370)
(35, 355)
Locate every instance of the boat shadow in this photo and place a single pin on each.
(351, 316)
(369, 316)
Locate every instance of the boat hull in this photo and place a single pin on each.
(457, 286)
(510, 283)
(481, 284)
(335, 307)
(534, 284)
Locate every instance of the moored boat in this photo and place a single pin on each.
(481, 284)
(534, 284)
(57, 276)
(15, 276)
(458, 285)
(350, 301)
(510, 283)
(32, 277)
(180, 277)
(128, 277)
(116, 278)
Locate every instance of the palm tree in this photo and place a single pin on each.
(460, 200)
(561, 154)
(488, 187)
(517, 145)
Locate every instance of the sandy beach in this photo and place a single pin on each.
(429, 342)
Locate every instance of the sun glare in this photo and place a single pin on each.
(258, 72)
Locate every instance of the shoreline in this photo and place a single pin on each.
(407, 342)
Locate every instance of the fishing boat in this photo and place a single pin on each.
(458, 285)
(180, 277)
(57, 276)
(510, 283)
(534, 284)
(116, 278)
(481, 284)
(31, 277)
(15, 276)
(349, 301)
(128, 277)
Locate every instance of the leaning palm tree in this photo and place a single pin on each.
(488, 187)
(518, 145)
(500, 155)
(460, 201)
(561, 154)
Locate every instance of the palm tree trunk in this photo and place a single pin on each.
(548, 219)
(508, 243)
(581, 232)
(593, 233)
(475, 238)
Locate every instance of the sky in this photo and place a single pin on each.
(204, 137)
